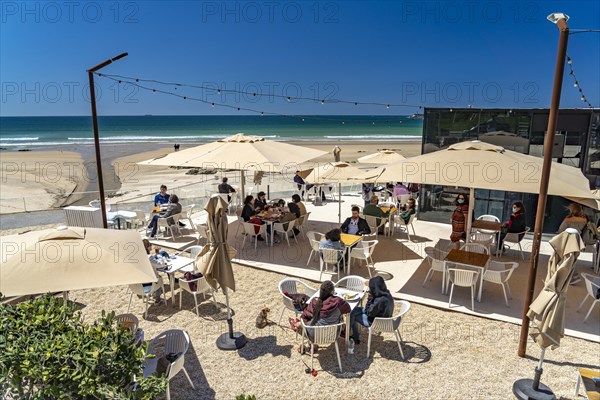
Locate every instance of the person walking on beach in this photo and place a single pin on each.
(459, 220)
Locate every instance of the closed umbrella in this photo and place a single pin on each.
(383, 157)
(547, 312)
(63, 259)
(214, 262)
(476, 164)
(240, 152)
(336, 172)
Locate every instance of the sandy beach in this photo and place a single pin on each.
(40, 180)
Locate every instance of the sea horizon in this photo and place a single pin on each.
(25, 132)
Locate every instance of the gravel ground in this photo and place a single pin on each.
(448, 354)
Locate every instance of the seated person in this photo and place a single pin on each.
(174, 208)
(332, 240)
(355, 225)
(260, 202)
(326, 309)
(575, 219)
(161, 198)
(373, 210)
(379, 304)
(298, 180)
(155, 254)
(515, 224)
(225, 188)
(407, 210)
(301, 209)
(249, 214)
(148, 286)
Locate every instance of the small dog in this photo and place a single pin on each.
(262, 319)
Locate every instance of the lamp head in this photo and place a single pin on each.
(555, 17)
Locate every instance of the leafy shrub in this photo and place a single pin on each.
(48, 352)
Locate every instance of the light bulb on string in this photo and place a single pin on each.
(322, 101)
(569, 61)
(387, 106)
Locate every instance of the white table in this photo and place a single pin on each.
(178, 263)
(340, 292)
(126, 215)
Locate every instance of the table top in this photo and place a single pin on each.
(386, 209)
(340, 292)
(468, 258)
(489, 225)
(350, 240)
(178, 263)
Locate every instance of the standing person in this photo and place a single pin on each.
(400, 190)
(459, 220)
(380, 304)
(161, 197)
(515, 224)
(355, 225)
(337, 153)
(226, 188)
(174, 208)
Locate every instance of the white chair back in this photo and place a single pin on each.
(592, 283)
(435, 257)
(129, 321)
(314, 235)
(402, 199)
(249, 229)
(391, 324)
(352, 282)
(194, 251)
(323, 335)
(499, 272)
(331, 256)
(462, 277)
(475, 248)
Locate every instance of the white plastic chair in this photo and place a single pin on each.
(499, 273)
(372, 221)
(250, 231)
(280, 228)
(487, 217)
(128, 321)
(463, 278)
(363, 251)
(301, 221)
(484, 239)
(514, 239)
(314, 238)
(176, 341)
(291, 286)
(322, 336)
(402, 199)
(202, 287)
(399, 222)
(193, 250)
(225, 197)
(435, 258)
(164, 223)
(138, 289)
(140, 219)
(202, 233)
(186, 213)
(352, 282)
(331, 257)
(391, 325)
(240, 220)
(475, 248)
(592, 285)
(95, 203)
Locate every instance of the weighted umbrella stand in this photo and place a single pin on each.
(532, 389)
(230, 340)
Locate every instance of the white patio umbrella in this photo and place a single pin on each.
(383, 157)
(63, 259)
(479, 165)
(242, 153)
(336, 172)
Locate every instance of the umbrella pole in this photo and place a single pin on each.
(340, 203)
(532, 389)
(470, 213)
(230, 340)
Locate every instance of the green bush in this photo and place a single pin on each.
(48, 352)
(245, 397)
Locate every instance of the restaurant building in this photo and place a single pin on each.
(577, 144)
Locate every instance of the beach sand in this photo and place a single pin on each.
(40, 180)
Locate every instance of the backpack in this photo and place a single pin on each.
(589, 233)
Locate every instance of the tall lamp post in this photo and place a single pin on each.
(91, 72)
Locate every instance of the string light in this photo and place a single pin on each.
(576, 83)
(270, 95)
(213, 104)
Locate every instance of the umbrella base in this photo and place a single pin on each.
(523, 389)
(225, 342)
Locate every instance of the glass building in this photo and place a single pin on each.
(577, 144)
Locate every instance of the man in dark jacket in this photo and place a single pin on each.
(379, 304)
(355, 225)
(174, 208)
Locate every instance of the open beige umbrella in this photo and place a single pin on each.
(593, 202)
(214, 262)
(240, 152)
(475, 164)
(63, 259)
(336, 172)
(547, 312)
(383, 157)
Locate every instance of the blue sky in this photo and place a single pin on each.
(430, 53)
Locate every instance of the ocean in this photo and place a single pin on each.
(34, 132)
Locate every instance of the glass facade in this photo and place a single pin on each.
(577, 144)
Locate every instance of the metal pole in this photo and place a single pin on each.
(541, 206)
(91, 72)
